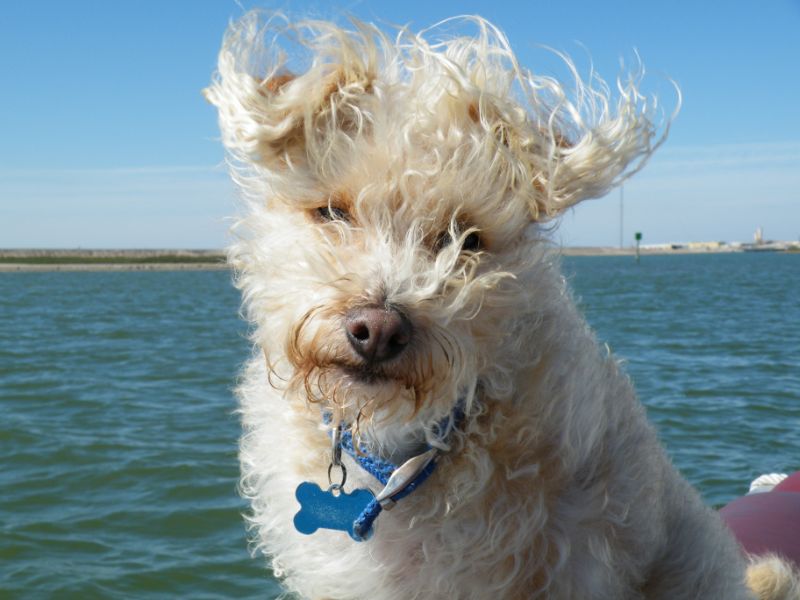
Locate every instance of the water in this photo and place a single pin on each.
(712, 343)
(118, 437)
(118, 433)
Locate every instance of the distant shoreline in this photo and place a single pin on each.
(28, 268)
(25, 260)
(111, 260)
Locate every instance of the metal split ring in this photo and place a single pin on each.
(336, 460)
(339, 485)
(336, 446)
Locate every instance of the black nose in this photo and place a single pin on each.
(377, 333)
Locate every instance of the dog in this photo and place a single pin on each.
(426, 414)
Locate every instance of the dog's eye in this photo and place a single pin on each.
(472, 243)
(332, 213)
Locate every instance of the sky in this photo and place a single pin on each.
(106, 141)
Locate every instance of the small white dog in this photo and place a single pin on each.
(408, 312)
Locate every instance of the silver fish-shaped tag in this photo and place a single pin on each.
(403, 476)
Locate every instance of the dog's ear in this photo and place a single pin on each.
(562, 155)
(285, 119)
(588, 163)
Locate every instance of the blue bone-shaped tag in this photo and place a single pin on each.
(323, 510)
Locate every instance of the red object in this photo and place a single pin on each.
(790, 484)
(768, 521)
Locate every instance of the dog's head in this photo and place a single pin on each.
(390, 251)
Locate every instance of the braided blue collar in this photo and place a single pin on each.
(355, 512)
(405, 479)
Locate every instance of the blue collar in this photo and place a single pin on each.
(398, 480)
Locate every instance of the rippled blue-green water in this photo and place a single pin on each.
(118, 433)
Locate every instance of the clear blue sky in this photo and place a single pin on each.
(107, 142)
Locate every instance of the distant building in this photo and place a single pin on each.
(705, 245)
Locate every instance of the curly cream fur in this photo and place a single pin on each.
(555, 486)
(770, 577)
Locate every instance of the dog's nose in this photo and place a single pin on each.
(377, 333)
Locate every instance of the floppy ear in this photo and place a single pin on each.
(568, 168)
(554, 152)
(563, 152)
(277, 120)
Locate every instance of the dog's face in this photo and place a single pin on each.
(392, 286)
(390, 250)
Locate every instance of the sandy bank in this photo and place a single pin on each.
(15, 260)
(21, 267)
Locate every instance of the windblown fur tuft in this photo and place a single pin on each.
(772, 578)
(552, 147)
